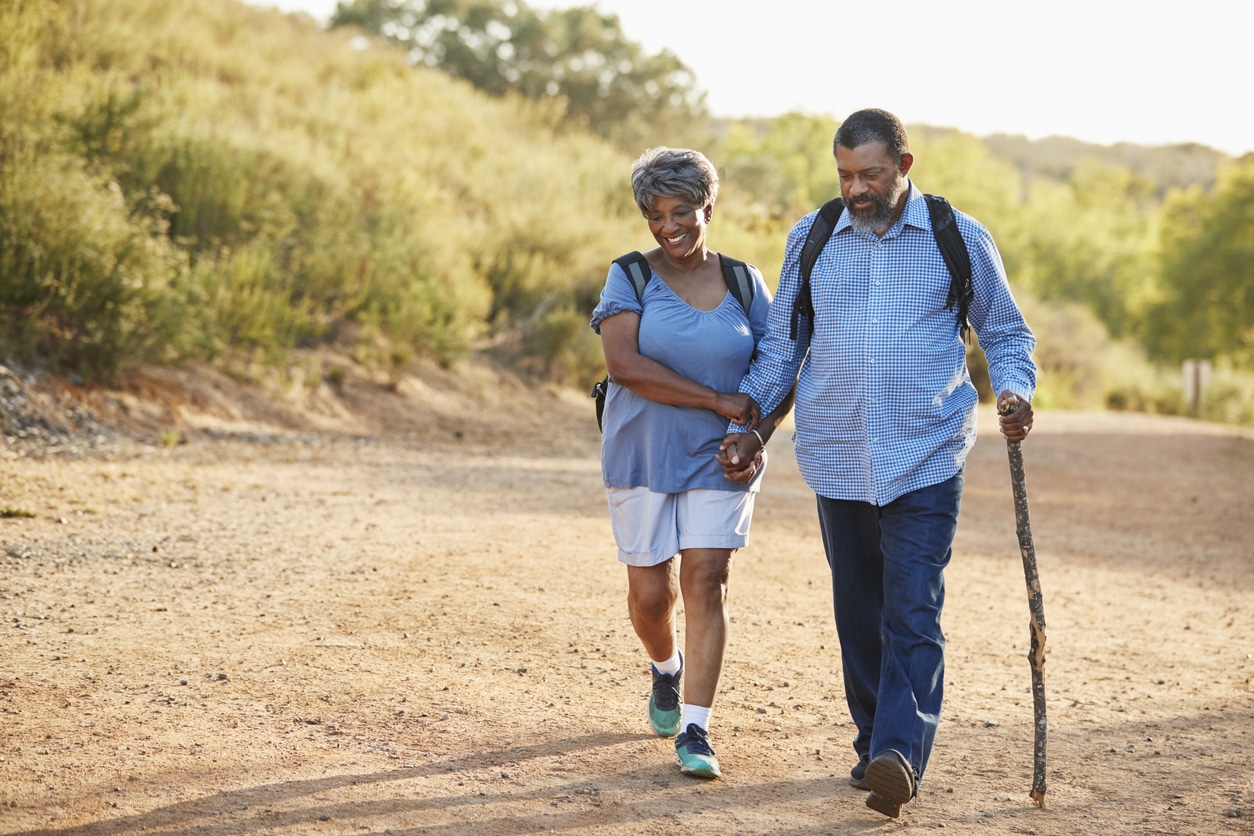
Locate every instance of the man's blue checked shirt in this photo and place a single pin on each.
(885, 405)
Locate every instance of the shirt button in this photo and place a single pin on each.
(872, 359)
(877, 284)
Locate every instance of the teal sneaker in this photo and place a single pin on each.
(664, 700)
(693, 752)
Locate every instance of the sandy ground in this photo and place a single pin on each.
(399, 612)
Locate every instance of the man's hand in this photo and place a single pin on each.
(740, 454)
(1014, 415)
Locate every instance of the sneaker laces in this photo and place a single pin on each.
(666, 690)
(695, 740)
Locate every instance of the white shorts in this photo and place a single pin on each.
(651, 528)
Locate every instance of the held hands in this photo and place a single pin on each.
(740, 454)
(1014, 416)
(739, 408)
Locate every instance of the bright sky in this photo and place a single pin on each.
(1103, 71)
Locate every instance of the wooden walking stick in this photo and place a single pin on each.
(1036, 606)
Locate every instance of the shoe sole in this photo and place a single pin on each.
(859, 784)
(890, 779)
(710, 771)
(891, 783)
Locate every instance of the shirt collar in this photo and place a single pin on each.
(916, 213)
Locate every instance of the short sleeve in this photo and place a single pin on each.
(618, 296)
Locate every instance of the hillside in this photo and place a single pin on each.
(1166, 166)
(317, 398)
(204, 179)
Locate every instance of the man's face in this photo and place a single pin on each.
(872, 184)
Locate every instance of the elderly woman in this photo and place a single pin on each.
(676, 350)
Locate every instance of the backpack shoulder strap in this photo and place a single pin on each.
(636, 266)
(739, 282)
(954, 250)
(820, 231)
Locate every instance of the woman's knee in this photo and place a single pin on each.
(652, 602)
(650, 607)
(705, 582)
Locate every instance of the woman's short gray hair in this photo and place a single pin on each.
(673, 172)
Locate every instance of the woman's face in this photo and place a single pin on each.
(678, 226)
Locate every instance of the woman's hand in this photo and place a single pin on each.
(738, 408)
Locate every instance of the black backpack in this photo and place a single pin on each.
(636, 266)
(948, 238)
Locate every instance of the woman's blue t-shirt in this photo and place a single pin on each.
(666, 448)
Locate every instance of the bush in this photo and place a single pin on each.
(85, 282)
(1230, 398)
(569, 352)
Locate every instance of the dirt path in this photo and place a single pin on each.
(425, 632)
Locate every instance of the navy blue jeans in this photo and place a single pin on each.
(888, 587)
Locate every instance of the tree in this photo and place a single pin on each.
(784, 164)
(1207, 305)
(1089, 240)
(577, 57)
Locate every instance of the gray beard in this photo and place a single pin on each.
(878, 223)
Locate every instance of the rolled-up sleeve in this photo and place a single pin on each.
(1004, 334)
(778, 359)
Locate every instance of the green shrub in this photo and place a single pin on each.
(1230, 398)
(85, 281)
(567, 350)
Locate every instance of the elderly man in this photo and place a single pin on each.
(885, 417)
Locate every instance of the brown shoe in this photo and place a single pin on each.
(879, 805)
(892, 783)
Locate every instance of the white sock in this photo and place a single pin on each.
(695, 714)
(671, 665)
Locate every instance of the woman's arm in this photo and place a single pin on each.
(650, 379)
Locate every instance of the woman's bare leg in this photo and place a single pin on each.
(703, 578)
(651, 595)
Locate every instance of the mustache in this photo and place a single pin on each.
(869, 201)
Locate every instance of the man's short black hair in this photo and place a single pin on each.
(873, 125)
